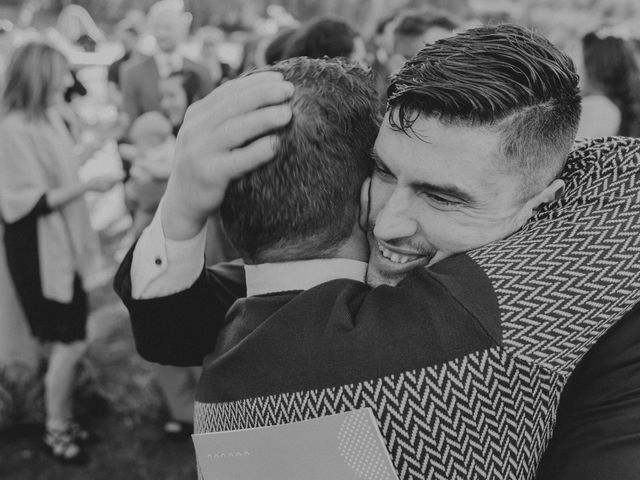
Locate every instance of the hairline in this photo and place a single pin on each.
(509, 164)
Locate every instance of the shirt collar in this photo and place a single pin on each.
(291, 276)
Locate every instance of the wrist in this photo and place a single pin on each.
(180, 221)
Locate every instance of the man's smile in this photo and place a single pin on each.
(396, 255)
(397, 262)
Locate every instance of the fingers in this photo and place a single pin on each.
(237, 131)
(246, 159)
(243, 98)
(235, 88)
(257, 96)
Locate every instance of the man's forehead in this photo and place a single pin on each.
(438, 153)
(428, 136)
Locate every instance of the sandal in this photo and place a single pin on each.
(63, 446)
(79, 434)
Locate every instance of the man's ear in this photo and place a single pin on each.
(550, 194)
(363, 220)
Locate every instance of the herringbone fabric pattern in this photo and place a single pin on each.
(565, 278)
(561, 282)
(483, 416)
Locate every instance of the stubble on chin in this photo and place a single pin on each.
(374, 278)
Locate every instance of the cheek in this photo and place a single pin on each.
(452, 233)
(379, 193)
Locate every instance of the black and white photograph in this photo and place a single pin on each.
(319, 240)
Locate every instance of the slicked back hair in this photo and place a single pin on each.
(505, 78)
(304, 203)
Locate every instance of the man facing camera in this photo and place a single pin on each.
(463, 362)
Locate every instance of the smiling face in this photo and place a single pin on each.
(439, 191)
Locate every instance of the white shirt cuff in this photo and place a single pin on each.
(161, 266)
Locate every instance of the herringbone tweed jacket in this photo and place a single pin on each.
(463, 364)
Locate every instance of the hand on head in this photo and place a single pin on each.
(224, 136)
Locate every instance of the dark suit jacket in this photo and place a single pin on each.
(465, 364)
(140, 89)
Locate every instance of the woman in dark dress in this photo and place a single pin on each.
(49, 244)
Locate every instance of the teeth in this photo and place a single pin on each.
(395, 257)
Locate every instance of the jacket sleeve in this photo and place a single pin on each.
(182, 328)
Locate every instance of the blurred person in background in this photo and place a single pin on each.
(210, 38)
(6, 43)
(611, 104)
(279, 44)
(50, 247)
(415, 29)
(151, 152)
(327, 36)
(382, 46)
(401, 37)
(168, 23)
(128, 36)
(76, 24)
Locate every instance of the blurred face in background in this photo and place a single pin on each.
(129, 39)
(174, 101)
(169, 29)
(408, 46)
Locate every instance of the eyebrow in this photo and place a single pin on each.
(426, 187)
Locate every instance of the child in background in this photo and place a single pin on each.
(152, 158)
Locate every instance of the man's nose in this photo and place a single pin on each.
(395, 220)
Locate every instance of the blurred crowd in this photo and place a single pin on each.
(50, 252)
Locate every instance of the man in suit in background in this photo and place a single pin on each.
(168, 24)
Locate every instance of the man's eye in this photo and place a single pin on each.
(381, 171)
(440, 200)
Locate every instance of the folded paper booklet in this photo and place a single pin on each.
(347, 446)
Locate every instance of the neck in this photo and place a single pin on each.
(355, 247)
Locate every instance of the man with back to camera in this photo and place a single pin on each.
(504, 393)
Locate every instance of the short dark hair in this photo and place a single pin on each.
(506, 78)
(415, 25)
(322, 37)
(276, 49)
(305, 202)
(191, 83)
